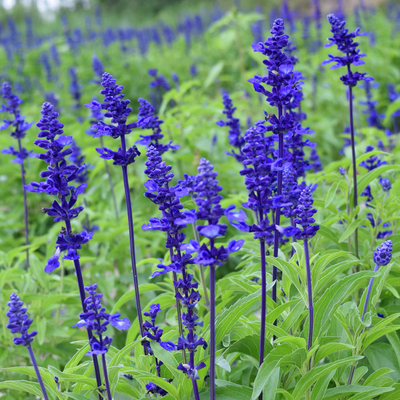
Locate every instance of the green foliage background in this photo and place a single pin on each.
(224, 59)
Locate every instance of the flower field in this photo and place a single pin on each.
(204, 209)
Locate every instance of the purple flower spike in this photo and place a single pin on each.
(235, 137)
(383, 253)
(19, 127)
(304, 212)
(345, 44)
(19, 322)
(59, 182)
(147, 119)
(96, 320)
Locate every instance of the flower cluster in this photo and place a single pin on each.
(59, 182)
(17, 123)
(173, 220)
(154, 333)
(19, 321)
(235, 137)
(304, 216)
(98, 70)
(206, 194)
(147, 119)
(383, 253)
(75, 88)
(159, 86)
(373, 117)
(260, 180)
(370, 164)
(346, 44)
(96, 320)
(117, 109)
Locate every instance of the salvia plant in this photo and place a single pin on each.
(252, 262)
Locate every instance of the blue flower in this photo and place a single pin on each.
(345, 44)
(19, 321)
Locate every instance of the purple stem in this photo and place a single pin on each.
(178, 308)
(191, 335)
(212, 332)
(39, 377)
(132, 241)
(368, 293)
(103, 358)
(25, 205)
(310, 298)
(353, 156)
(263, 305)
(201, 269)
(278, 213)
(110, 183)
(79, 278)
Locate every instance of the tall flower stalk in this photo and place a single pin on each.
(98, 116)
(206, 194)
(304, 217)
(19, 127)
(279, 77)
(173, 221)
(382, 256)
(260, 179)
(117, 109)
(19, 322)
(59, 182)
(96, 320)
(352, 56)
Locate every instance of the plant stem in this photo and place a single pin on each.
(201, 269)
(39, 377)
(310, 300)
(277, 216)
(371, 281)
(61, 287)
(353, 156)
(263, 305)
(178, 308)
(132, 241)
(25, 206)
(106, 380)
(112, 191)
(191, 338)
(212, 332)
(79, 278)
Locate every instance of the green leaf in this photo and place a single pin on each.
(231, 315)
(73, 377)
(76, 358)
(351, 228)
(146, 287)
(213, 74)
(25, 386)
(228, 391)
(376, 331)
(317, 373)
(363, 392)
(167, 358)
(331, 194)
(366, 179)
(330, 348)
(268, 374)
(147, 376)
(334, 296)
(249, 345)
(320, 387)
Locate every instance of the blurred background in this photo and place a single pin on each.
(141, 12)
